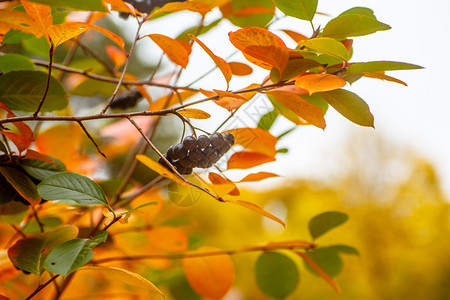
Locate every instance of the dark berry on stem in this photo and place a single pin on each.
(229, 138)
(195, 155)
(188, 171)
(203, 163)
(187, 163)
(162, 162)
(224, 149)
(190, 143)
(169, 153)
(203, 141)
(217, 140)
(210, 153)
(179, 151)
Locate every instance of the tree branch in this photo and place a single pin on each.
(47, 86)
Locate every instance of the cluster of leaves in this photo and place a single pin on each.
(36, 172)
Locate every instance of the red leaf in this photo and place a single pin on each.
(31, 154)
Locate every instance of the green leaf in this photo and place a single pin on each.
(47, 223)
(29, 254)
(7, 192)
(283, 150)
(259, 20)
(343, 249)
(350, 106)
(14, 36)
(73, 254)
(91, 87)
(23, 90)
(267, 120)
(13, 212)
(345, 26)
(327, 46)
(324, 222)
(276, 274)
(376, 66)
(36, 46)
(327, 259)
(73, 187)
(295, 67)
(3, 147)
(21, 183)
(92, 5)
(41, 169)
(359, 11)
(11, 61)
(317, 100)
(301, 9)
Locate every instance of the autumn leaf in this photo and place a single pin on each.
(122, 6)
(220, 62)
(262, 45)
(222, 186)
(247, 159)
(171, 99)
(172, 48)
(255, 139)
(229, 100)
(319, 82)
(297, 37)
(258, 176)
(63, 32)
(253, 10)
(168, 239)
(240, 69)
(117, 56)
(32, 154)
(320, 271)
(382, 76)
(209, 276)
(42, 15)
(199, 7)
(305, 110)
(11, 19)
(22, 140)
(257, 209)
(158, 168)
(194, 113)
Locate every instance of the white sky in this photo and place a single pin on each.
(415, 116)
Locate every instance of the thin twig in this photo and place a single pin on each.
(38, 221)
(91, 138)
(47, 86)
(20, 232)
(41, 286)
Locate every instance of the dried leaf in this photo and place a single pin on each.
(262, 45)
(194, 113)
(173, 48)
(220, 62)
(258, 210)
(247, 159)
(209, 276)
(255, 139)
(319, 270)
(319, 82)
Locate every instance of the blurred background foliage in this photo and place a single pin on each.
(399, 222)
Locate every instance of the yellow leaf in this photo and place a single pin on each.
(42, 15)
(209, 276)
(220, 62)
(11, 19)
(382, 76)
(319, 82)
(320, 271)
(63, 32)
(112, 36)
(122, 6)
(247, 160)
(199, 7)
(305, 110)
(258, 176)
(222, 186)
(194, 113)
(158, 168)
(173, 48)
(117, 56)
(258, 210)
(124, 276)
(255, 139)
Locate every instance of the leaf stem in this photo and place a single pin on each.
(47, 86)
(41, 287)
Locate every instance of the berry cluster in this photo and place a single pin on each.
(202, 152)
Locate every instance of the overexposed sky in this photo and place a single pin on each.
(415, 116)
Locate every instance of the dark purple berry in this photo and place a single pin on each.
(162, 162)
(195, 155)
(188, 171)
(179, 167)
(179, 151)
(203, 163)
(203, 141)
(187, 163)
(224, 149)
(229, 138)
(169, 153)
(217, 140)
(190, 143)
(210, 153)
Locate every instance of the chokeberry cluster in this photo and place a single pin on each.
(202, 152)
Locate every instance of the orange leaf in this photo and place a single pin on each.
(199, 7)
(171, 99)
(42, 15)
(258, 176)
(348, 44)
(168, 239)
(122, 6)
(194, 113)
(319, 271)
(173, 48)
(21, 142)
(158, 168)
(224, 185)
(258, 210)
(319, 82)
(247, 160)
(382, 76)
(262, 45)
(31, 154)
(231, 101)
(255, 139)
(291, 89)
(240, 69)
(297, 37)
(253, 10)
(305, 110)
(116, 55)
(112, 36)
(11, 19)
(208, 94)
(209, 276)
(63, 32)
(220, 62)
